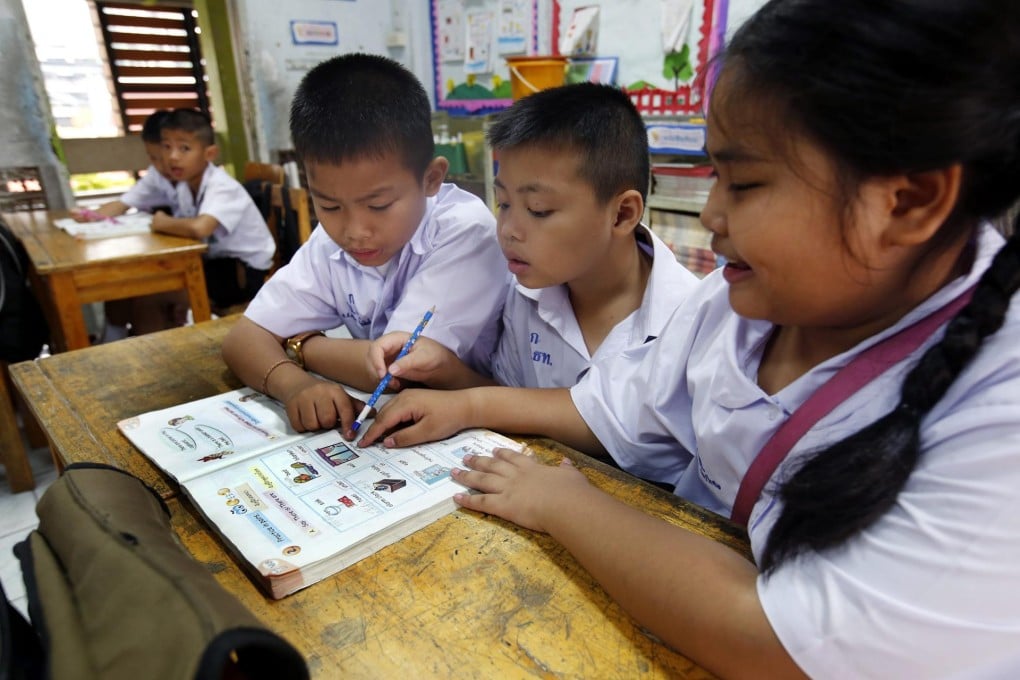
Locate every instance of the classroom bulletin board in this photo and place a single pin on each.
(659, 50)
(471, 40)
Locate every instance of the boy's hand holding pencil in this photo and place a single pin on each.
(427, 363)
(387, 377)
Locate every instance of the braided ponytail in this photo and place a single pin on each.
(846, 487)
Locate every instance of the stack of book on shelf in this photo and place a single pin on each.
(679, 191)
(687, 238)
(297, 507)
(682, 180)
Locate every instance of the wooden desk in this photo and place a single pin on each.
(68, 272)
(470, 596)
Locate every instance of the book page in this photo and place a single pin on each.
(208, 434)
(303, 511)
(192, 439)
(122, 225)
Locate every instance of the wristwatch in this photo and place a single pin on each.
(295, 345)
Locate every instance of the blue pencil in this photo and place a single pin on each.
(386, 378)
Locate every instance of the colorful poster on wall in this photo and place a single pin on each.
(478, 42)
(479, 81)
(514, 26)
(450, 30)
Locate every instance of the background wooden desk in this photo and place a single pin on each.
(68, 272)
(470, 596)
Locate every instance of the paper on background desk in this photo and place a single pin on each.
(123, 225)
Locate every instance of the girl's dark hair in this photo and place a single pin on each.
(890, 87)
(356, 106)
(598, 122)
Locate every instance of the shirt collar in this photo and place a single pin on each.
(734, 387)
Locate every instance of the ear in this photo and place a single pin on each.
(211, 152)
(630, 209)
(919, 203)
(435, 173)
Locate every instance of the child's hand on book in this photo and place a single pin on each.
(416, 416)
(520, 489)
(320, 405)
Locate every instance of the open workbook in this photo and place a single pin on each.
(298, 507)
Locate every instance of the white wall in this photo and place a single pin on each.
(272, 65)
(739, 11)
(631, 30)
(25, 118)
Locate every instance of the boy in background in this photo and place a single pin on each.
(153, 191)
(214, 207)
(394, 240)
(592, 280)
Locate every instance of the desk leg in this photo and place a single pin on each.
(65, 298)
(198, 297)
(12, 450)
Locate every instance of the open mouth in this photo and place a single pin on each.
(735, 272)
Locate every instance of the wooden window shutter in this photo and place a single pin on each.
(155, 59)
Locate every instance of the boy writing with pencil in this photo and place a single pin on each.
(592, 281)
(394, 241)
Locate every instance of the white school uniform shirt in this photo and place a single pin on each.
(241, 231)
(542, 345)
(932, 588)
(453, 262)
(153, 190)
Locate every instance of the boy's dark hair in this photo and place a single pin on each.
(153, 126)
(362, 106)
(599, 122)
(193, 121)
(870, 82)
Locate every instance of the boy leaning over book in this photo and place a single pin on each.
(592, 281)
(394, 241)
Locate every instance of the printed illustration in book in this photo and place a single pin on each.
(298, 507)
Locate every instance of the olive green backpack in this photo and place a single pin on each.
(113, 595)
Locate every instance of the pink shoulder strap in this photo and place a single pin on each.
(864, 368)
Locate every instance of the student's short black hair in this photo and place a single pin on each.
(598, 122)
(194, 121)
(152, 128)
(358, 106)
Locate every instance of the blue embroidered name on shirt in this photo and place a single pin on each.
(541, 358)
(704, 476)
(352, 312)
(537, 356)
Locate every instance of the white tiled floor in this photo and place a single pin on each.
(17, 519)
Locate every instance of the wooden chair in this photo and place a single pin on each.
(299, 204)
(270, 172)
(12, 449)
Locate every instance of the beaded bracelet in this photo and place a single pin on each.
(265, 378)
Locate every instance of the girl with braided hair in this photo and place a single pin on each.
(848, 383)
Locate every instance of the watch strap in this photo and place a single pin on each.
(296, 343)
